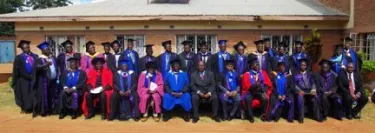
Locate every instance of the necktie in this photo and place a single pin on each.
(202, 75)
(351, 87)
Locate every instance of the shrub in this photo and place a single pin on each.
(313, 46)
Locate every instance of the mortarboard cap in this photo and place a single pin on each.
(175, 61)
(348, 39)
(266, 40)
(89, 43)
(238, 45)
(149, 45)
(22, 42)
(324, 61)
(43, 45)
(252, 61)
(187, 42)
(67, 43)
(130, 40)
(280, 64)
(303, 60)
(115, 42)
(222, 42)
(339, 46)
(73, 59)
(106, 44)
(229, 62)
(258, 42)
(97, 59)
(298, 43)
(124, 61)
(165, 43)
(283, 44)
(151, 64)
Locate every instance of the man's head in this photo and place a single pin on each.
(203, 47)
(175, 65)
(348, 43)
(90, 47)
(338, 49)
(259, 45)
(229, 65)
(187, 46)
(254, 64)
(167, 45)
(201, 66)
(68, 46)
(303, 64)
(73, 62)
(325, 65)
(124, 64)
(350, 67)
(267, 43)
(282, 48)
(116, 46)
(44, 47)
(240, 47)
(151, 66)
(281, 67)
(130, 44)
(298, 46)
(223, 45)
(98, 62)
(149, 50)
(106, 47)
(24, 46)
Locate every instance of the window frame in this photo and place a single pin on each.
(58, 48)
(124, 43)
(281, 37)
(212, 49)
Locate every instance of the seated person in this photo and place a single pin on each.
(99, 89)
(203, 88)
(150, 90)
(73, 81)
(124, 99)
(229, 90)
(256, 91)
(176, 87)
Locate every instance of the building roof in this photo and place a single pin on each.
(195, 9)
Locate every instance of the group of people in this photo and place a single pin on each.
(121, 85)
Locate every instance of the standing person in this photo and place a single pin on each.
(306, 91)
(165, 58)
(113, 61)
(298, 55)
(203, 88)
(283, 83)
(73, 81)
(336, 59)
(350, 88)
(204, 55)
(264, 59)
(150, 91)
(281, 56)
(176, 87)
(240, 58)
(350, 55)
(86, 59)
(256, 86)
(99, 89)
(229, 86)
(267, 47)
(24, 77)
(218, 59)
(132, 55)
(124, 100)
(108, 56)
(62, 58)
(147, 58)
(46, 97)
(327, 84)
(187, 58)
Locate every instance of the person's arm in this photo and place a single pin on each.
(193, 84)
(341, 86)
(116, 82)
(133, 87)
(212, 85)
(220, 85)
(297, 89)
(41, 65)
(186, 84)
(15, 74)
(167, 88)
(359, 84)
(81, 80)
(63, 80)
(334, 84)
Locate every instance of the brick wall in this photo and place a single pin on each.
(341, 5)
(364, 16)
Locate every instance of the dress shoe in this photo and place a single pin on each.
(144, 119)
(349, 117)
(166, 118)
(186, 118)
(251, 120)
(195, 120)
(156, 118)
(300, 121)
(61, 116)
(74, 115)
(217, 119)
(290, 121)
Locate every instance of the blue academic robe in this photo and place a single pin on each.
(164, 62)
(177, 86)
(241, 63)
(336, 63)
(134, 57)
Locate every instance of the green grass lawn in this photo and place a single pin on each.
(7, 103)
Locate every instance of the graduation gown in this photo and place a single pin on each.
(272, 54)
(337, 63)
(177, 86)
(306, 85)
(125, 106)
(229, 81)
(24, 79)
(47, 94)
(241, 63)
(282, 58)
(206, 58)
(294, 64)
(112, 62)
(352, 56)
(92, 79)
(187, 62)
(264, 59)
(283, 85)
(218, 62)
(133, 56)
(163, 62)
(144, 82)
(143, 62)
(327, 83)
(63, 63)
(77, 81)
(86, 61)
(252, 94)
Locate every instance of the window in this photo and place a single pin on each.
(7, 52)
(369, 46)
(197, 39)
(288, 39)
(55, 43)
(139, 42)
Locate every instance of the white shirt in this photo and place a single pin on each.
(351, 76)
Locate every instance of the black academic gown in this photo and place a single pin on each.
(330, 101)
(187, 62)
(208, 61)
(62, 62)
(23, 82)
(277, 105)
(161, 61)
(125, 107)
(72, 100)
(143, 62)
(266, 62)
(294, 64)
(215, 65)
(47, 93)
(113, 62)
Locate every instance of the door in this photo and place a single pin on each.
(7, 52)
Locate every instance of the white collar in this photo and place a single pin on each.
(304, 72)
(44, 56)
(121, 72)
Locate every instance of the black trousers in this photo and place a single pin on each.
(234, 108)
(373, 97)
(264, 104)
(90, 102)
(332, 102)
(310, 100)
(196, 101)
(348, 102)
(131, 105)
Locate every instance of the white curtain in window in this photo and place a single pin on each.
(179, 47)
(371, 45)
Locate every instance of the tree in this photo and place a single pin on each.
(313, 46)
(44, 4)
(9, 6)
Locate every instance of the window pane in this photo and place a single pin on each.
(139, 43)
(212, 44)
(7, 53)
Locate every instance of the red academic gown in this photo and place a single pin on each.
(246, 87)
(107, 79)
